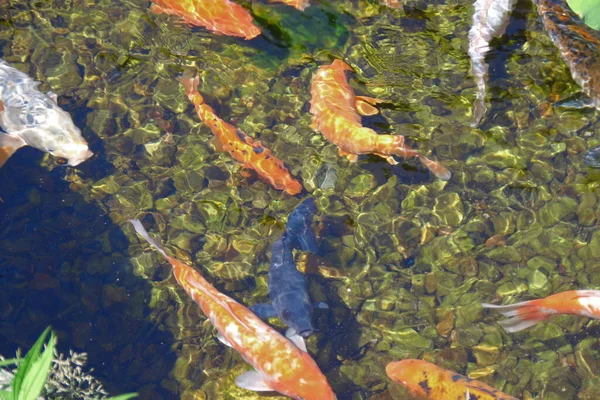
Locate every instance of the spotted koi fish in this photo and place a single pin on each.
(425, 380)
(579, 46)
(528, 313)
(280, 364)
(490, 19)
(298, 4)
(220, 16)
(336, 110)
(251, 154)
(29, 117)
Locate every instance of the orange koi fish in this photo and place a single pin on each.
(280, 365)
(528, 313)
(251, 154)
(298, 4)
(220, 16)
(336, 115)
(425, 380)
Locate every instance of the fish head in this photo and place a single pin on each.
(64, 139)
(297, 317)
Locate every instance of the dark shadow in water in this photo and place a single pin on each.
(63, 263)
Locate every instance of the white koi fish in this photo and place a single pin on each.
(489, 20)
(29, 117)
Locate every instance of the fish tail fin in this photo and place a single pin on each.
(139, 228)
(521, 315)
(436, 168)
(190, 84)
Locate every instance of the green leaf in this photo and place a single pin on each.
(124, 396)
(588, 10)
(10, 362)
(6, 395)
(33, 371)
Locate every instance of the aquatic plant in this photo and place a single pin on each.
(588, 10)
(50, 373)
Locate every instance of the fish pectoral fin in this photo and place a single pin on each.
(391, 160)
(351, 157)
(223, 340)
(296, 339)
(8, 145)
(252, 380)
(53, 96)
(264, 310)
(366, 105)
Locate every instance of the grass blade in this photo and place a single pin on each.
(33, 371)
(124, 396)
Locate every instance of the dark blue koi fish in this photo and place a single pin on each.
(592, 157)
(288, 290)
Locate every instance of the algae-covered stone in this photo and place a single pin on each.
(556, 210)
(505, 255)
(188, 182)
(136, 196)
(360, 185)
(449, 210)
(586, 209)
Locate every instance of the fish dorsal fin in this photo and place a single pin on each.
(8, 145)
(252, 380)
(296, 339)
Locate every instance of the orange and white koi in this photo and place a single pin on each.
(425, 380)
(251, 154)
(280, 365)
(298, 4)
(220, 16)
(336, 115)
(528, 313)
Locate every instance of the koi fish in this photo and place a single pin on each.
(579, 46)
(288, 290)
(280, 364)
(29, 117)
(489, 20)
(336, 110)
(528, 313)
(298, 4)
(425, 380)
(251, 154)
(220, 16)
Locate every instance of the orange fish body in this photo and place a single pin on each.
(336, 109)
(220, 16)
(251, 154)
(425, 380)
(278, 364)
(528, 313)
(298, 4)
